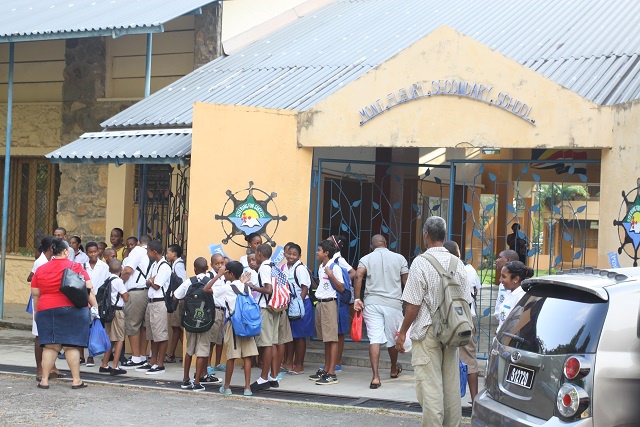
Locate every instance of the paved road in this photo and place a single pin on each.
(21, 403)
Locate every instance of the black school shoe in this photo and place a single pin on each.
(117, 371)
(327, 379)
(210, 379)
(131, 364)
(106, 370)
(258, 387)
(317, 375)
(274, 384)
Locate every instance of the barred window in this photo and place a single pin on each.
(33, 195)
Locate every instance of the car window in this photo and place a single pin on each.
(553, 319)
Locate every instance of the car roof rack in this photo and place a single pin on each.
(618, 277)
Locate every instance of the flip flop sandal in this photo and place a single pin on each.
(399, 369)
(170, 359)
(374, 386)
(81, 385)
(57, 375)
(292, 372)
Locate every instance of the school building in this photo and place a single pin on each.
(366, 117)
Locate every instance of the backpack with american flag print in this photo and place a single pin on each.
(281, 294)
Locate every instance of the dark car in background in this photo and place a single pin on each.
(568, 354)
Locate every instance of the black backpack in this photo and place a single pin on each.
(106, 309)
(199, 311)
(174, 283)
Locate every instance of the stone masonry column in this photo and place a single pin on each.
(208, 35)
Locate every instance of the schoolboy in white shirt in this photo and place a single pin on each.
(326, 316)
(115, 328)
(217, 263)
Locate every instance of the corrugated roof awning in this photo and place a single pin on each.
(167, 146)
(31, 20)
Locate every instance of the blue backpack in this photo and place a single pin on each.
(346, 296)
(245, 318)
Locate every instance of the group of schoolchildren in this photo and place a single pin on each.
(212, 305)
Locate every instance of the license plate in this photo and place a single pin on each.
(520, 376)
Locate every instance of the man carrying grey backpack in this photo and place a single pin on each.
(435, 364)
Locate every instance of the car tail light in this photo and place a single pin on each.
(572, 400)
(576, 367)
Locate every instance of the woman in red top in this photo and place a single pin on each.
(60, 323)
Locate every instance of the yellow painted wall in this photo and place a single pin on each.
(17, 289)
(233, 145)
(563, 118)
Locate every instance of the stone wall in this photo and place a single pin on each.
(207, 35)
(34, 125)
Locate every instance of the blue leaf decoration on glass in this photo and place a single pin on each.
(486, 251)
(489, 207)
(535, 208)
(511, 209)
(535, 177)
(435, 208)
(375, 205)
(396, 205)
(416, 251)
(572, 170)
(335, 204)
(567, 236)
(437, 180)
(481, 169)
(415, 207)
(581, 208)
(388, 172)
(520, 235)
(486, 312)
(492, 177)
(531, 252)
(354, 242)
(397, 178)
(384, 229)
(578, 254)
(468, 255)
(525, 169)
(477, 233)
(356, 203)
(358, 176)
(344, 227)
(427, 172)
(558, 260)
(393, 244)
(556, 209)
(583, 177)
(348, 168)
(467, 208)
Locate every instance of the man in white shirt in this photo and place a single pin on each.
(134, 275)
(61, 233)
(155, 318)
(268, 338)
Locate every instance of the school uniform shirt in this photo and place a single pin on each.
(42, 259)
(228, 296)
(254, 279)
(502, 293)
(245, 263)
(509, 303)
(99, 273)
(474, 283)
(264, 276)
(117, 288)
(337, 257)
(81, 257)
(181, 292)
(301, 273)
(161, 272)
(178, 268)
(138, 258)
(218, 301)
(325, 288)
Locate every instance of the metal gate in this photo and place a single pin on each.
(162, 193)
(554, 203)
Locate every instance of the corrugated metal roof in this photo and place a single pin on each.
(155, 146)
(588, 46)
(27, 20)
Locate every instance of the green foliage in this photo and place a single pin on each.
(550, 195)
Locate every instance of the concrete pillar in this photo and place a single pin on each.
(208, 35)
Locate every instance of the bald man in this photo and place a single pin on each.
(386, 274)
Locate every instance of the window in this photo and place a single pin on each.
(33, 195)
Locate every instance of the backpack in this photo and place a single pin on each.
(296, 304)
(169, 302)
(345, 296)
(199, 311)
(452, 319)
(281, 294)
(106, 309)
(245, 318)
(174, 283)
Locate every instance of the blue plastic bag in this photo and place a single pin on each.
(99, 342)
(463, 378)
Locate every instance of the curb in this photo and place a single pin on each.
(13, 325)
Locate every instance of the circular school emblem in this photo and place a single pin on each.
(629, 223)
(247, 211)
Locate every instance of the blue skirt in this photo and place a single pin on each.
(67, 326)
(303, 328)
(344, 318)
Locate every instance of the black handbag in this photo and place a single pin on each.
(74, 287)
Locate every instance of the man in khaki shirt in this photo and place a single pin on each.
(436, 367)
